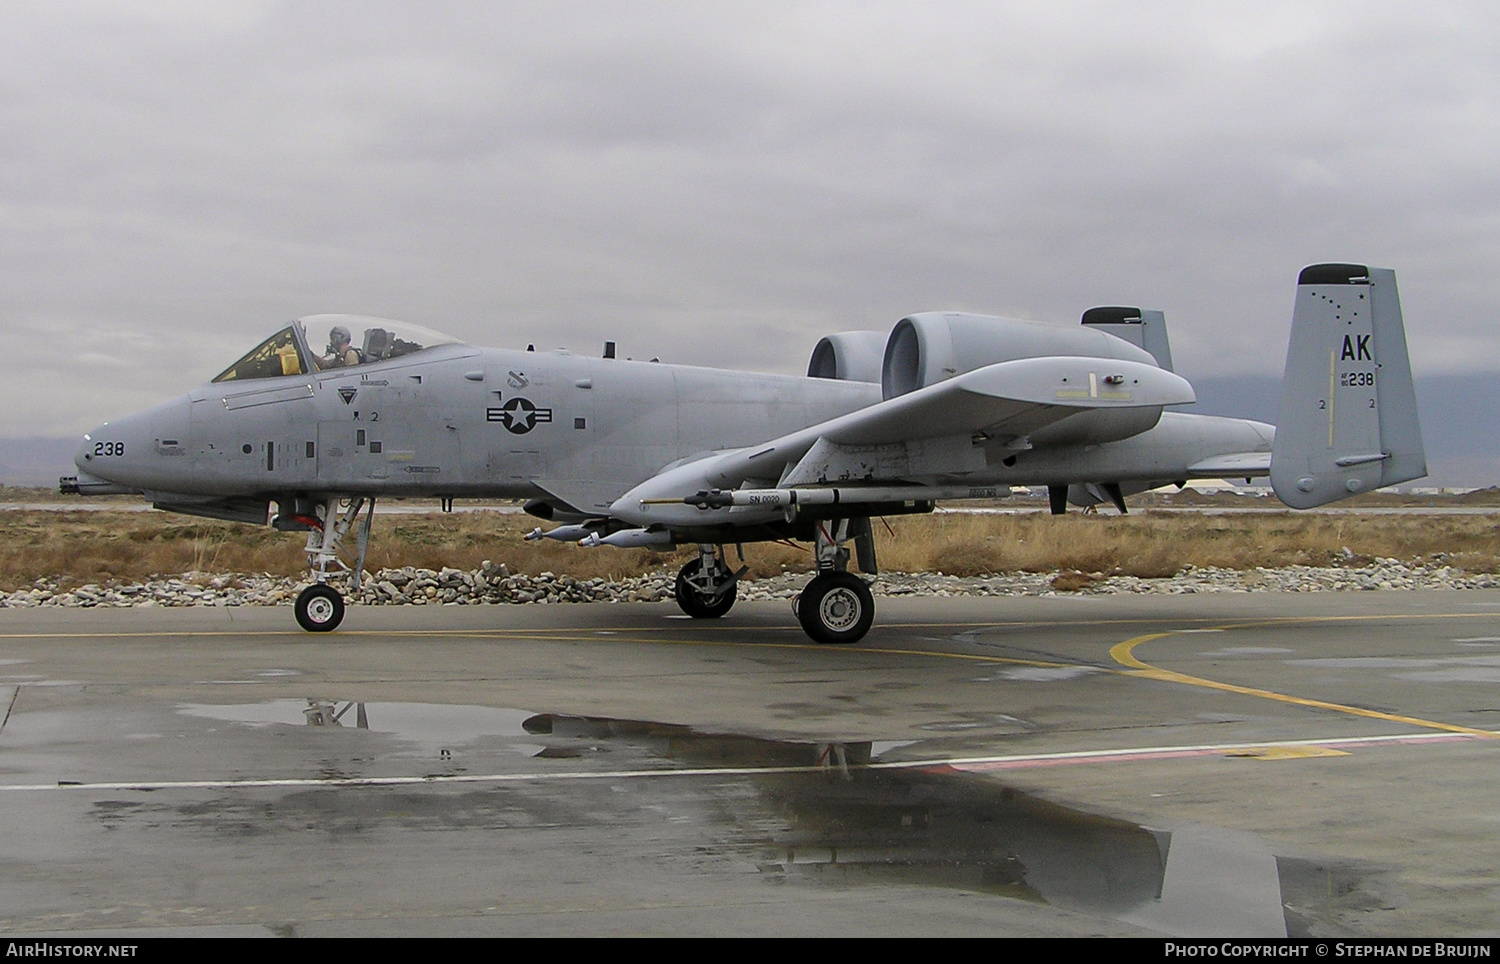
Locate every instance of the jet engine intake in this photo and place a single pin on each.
(928, 348)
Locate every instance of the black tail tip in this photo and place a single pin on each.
(1334, 274)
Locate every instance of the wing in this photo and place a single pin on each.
(927, 434)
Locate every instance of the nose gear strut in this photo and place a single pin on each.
(320, 607)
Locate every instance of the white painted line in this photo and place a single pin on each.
(958, 763)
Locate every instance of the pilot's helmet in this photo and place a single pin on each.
(339, 335)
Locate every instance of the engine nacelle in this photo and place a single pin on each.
(933, 346)
(849, 356)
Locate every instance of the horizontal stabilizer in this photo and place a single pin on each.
(1237, 465)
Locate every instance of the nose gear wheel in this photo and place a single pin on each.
(320, 608)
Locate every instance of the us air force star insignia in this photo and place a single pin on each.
(520, 416)
(347, 393)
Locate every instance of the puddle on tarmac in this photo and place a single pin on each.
(429, 725)
(840, 823)
(830, 821)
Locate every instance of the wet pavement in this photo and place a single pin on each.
(1219, 765)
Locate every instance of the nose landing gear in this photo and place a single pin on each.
(320, 607)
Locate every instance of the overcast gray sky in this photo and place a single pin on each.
(722, 183)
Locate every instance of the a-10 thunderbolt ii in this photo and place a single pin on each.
(626, 453)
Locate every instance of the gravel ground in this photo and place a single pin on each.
(493, 584)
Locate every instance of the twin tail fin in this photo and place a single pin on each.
(1348, 417)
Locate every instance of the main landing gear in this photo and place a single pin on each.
(320, 607)
(835, 607)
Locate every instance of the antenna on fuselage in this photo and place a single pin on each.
(609, 349)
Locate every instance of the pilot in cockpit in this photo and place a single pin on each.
(341, 354)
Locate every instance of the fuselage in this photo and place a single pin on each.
(455, 421)
(459, 421)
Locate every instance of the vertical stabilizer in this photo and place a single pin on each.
(1348, 419)
(1142, 327)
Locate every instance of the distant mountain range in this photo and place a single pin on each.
(36, 461)
(1459, 414)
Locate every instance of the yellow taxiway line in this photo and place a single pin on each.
(1124, 654)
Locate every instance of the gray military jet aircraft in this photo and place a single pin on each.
(626, 453)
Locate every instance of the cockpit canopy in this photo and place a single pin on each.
(353, 340)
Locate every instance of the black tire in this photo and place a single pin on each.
(836, 607)
(320, 608)
(695, 605)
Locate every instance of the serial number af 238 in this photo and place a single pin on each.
(622, 453)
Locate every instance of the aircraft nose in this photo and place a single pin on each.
(81, 458)
(114, 459)
(117, 449)
(142, 451)
(102, 449)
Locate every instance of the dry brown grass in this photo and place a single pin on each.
(101, 546)
(1161, 545)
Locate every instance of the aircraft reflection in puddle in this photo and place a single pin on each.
(428, 725)
(842, 822)
(816, 812)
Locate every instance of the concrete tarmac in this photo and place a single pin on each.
(1223, 764)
